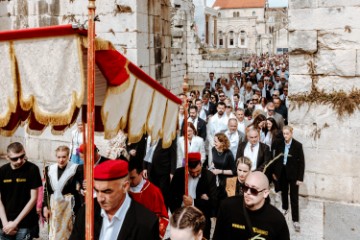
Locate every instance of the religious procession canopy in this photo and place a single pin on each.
(42, 83)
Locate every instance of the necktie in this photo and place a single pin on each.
(252, 147)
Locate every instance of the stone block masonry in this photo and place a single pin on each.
(324, 44)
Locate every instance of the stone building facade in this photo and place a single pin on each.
(324, 45)
(277, 30)
(241, 24)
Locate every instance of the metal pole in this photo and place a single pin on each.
(185, 104)
(89, 164)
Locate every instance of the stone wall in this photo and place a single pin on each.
(324, 57)
(186, 51)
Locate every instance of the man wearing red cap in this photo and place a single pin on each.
(97, 157)
(147, 194)
(202, 189)
(116, 216)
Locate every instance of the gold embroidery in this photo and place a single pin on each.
(260, 231)
(7, 180)
(238, 226)
(21, 180)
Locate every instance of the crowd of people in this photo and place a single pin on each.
(239, 147)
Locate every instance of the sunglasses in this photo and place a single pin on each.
(228, 107)
(14, 159)
(255, 99)
(253, 191)
(221, 95)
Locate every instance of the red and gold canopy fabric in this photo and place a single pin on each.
(43, 83)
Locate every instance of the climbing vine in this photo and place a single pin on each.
(344, 103)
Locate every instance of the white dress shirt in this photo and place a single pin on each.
(241, 126)
(192, 185)
(111, 229)
(252, 155)
(234, 141)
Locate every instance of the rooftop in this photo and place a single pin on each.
(233, 4)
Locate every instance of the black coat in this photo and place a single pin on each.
(139, 224)
(206, 185)
(295, 165)
(263, 158)
(164, 160)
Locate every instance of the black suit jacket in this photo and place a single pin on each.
(206, 185)
(263, 158)
(139, 224)
(201, 129)
(212, 109)
(164, 159)
(295, 164)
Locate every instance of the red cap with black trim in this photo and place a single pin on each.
(111, 170)
(83, 146)
(194, 156)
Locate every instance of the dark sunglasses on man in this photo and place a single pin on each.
(14, 159)
(253, 191)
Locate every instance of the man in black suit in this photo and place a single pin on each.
(116, 215)
(202, 190)
(281, 109)
(199, 123)
(208, 106)
(257, 152)
(289, 171)
(162, 165)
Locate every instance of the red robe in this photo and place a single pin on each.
(151, 197)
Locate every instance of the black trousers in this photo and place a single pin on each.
(285, 185)
(163, 182)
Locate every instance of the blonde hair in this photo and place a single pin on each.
(188, 217)
(287, 127)
(63, 149)
(244, 160)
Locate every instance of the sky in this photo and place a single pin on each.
(278, 3)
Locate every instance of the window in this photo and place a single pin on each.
(242, 41)
(237, 14)
(219, 15)
(234, 14)
(254, 13)
(231, 38)
(221, 42)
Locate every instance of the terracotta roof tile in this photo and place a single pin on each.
(239, 4)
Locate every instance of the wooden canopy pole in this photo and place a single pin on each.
(89, 164)
(185, 104)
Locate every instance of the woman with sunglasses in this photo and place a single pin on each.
(223, 164)
(61, 196)
(234, 184)
(214, 98)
